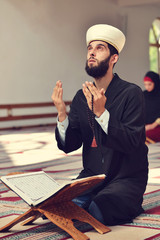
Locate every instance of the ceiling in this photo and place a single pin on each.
(136, 2)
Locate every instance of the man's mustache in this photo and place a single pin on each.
(92, 58)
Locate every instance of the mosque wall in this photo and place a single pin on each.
(42, 41)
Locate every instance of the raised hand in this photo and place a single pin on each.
(57, 97)
(99, 99)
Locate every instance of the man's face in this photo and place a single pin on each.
(98, 58)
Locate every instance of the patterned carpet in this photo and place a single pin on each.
(34, 150)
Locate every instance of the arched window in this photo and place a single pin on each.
(154, 46)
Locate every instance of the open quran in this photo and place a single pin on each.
(47, 197)
(36, 187)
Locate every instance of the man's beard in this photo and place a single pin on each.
(98, 71)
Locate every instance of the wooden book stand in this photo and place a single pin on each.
(61, 210)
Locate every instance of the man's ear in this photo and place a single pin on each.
(114, 58)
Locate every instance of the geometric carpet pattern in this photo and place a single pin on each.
(35, 149)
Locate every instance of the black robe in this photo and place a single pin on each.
(121, 154)
(152, 99)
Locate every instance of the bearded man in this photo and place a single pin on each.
(107, 118)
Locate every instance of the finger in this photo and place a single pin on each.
(86, 92)
(57, 91)
(60, 93)
(94, 91)
(88, 95)
(58, 84)
(85, 89)
(102, 91)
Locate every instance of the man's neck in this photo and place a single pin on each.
(104, 81)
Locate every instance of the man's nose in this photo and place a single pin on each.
(92, 53)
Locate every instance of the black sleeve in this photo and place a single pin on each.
(128, 133)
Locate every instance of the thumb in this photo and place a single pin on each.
(102, 91)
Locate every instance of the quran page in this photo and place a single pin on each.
(32, 187)
(36, 187)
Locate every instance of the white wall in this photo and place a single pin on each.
(135, 61)
(42, 41)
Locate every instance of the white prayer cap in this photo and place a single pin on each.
(106, 33)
